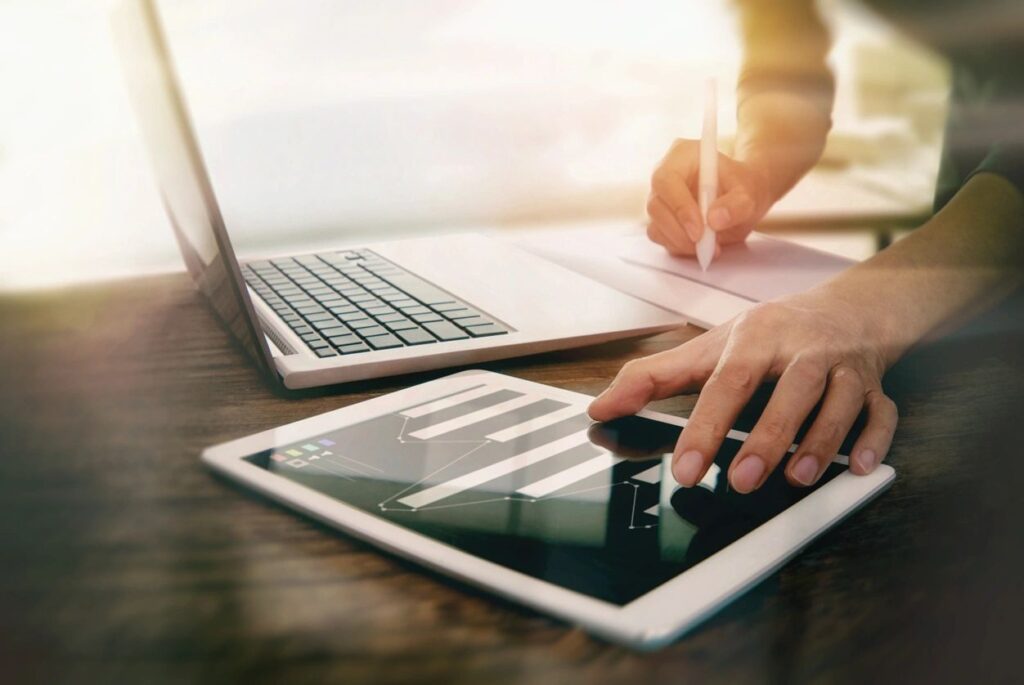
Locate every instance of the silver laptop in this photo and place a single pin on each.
(360, 311)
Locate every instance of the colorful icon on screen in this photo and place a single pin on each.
(310, 448)
(326, 442)
(294, 453)
(278, 457)
(297, 463)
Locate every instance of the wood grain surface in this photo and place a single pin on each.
(122, 559)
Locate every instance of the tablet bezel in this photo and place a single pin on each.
(651, 620)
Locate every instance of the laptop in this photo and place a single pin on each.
(358, 311)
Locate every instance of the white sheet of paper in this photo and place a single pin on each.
(760, 269)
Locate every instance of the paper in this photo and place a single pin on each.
(760, 269)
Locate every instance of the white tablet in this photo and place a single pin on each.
(508, 485)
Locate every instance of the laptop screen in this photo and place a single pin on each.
(184, 185)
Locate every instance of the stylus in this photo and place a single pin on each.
(707, 189)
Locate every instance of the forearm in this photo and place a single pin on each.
(785, 90)
(967, 256)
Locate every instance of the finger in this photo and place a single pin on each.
(671, 182)
(873, 444)
(665, 230)
(657, 235)
(731, 210)
(736, 207)
(796, 394)
(844, 399)
(655, 377)
(739, 372)
(731, 236)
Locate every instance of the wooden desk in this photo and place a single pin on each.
(124, 560)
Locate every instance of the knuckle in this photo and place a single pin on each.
(681, 145)
(883, 408)
(652, 204)
(809, 369)
(891, 409)
(744, 203)
(631, 368)
(706, 428)
(846, 376)
(774, 429)
(734, 376)
(662, 180)
(829, 434)
(822, 450)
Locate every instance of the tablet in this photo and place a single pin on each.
(509, 486)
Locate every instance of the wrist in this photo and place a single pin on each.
(876, 321)
(781, 136)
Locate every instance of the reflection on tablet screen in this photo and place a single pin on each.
(537, 488)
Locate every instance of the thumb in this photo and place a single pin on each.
(647, 379)
(734, 208)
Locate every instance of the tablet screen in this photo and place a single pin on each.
(531, 484)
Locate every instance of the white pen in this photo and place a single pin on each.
(707, 188)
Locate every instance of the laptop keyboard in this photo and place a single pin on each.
(356, 301)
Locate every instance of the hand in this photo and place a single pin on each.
(819, 349)
(675, 219)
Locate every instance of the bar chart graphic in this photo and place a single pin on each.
(464, 454)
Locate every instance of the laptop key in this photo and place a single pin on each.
(371, 331)
(426, 318)
(458, 315)
(485, 330)
(322, 326)
(389, 318)
(415, 336)
(342, 340)
(472, 321)
(384, 342)
(448, 306)
(360, 324)
(335, 330)
(325, 352)
(445, 330)
(403, 325)
(352, 349)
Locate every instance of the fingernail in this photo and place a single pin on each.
(688, 467)
(806, 470)
(748, 474)
(719, 218)
(692, 230)
(867, 460)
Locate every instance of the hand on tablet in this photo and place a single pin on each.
(818, 350)
(675, 222)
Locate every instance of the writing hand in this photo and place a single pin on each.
(675, 221)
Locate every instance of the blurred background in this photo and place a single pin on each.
(321, 119)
